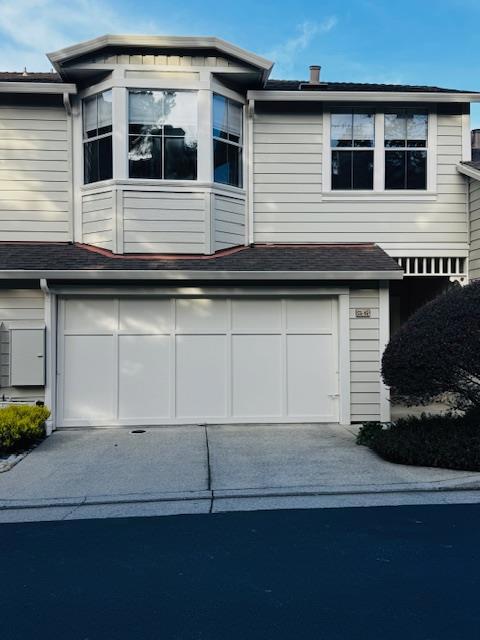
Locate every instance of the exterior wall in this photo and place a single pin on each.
(229, 221)
(97, 218)
(289, 205)
(35, 176)
(365, 356)
(18, 307)
(474, 255)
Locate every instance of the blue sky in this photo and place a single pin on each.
(413, 42)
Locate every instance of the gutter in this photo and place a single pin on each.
(129, 274)
(360, 96)
(38, 87)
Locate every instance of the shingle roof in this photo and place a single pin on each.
(475, 164)
(33, 76)
(297, 85)
(268, 258)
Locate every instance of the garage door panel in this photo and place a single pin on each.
(144, 377)
(310, 375)
(89, 374)
(201, 376)
(257, 375)
(310, 314)
(145, 316)
(257, 314)
(85, 315)
(201, 314)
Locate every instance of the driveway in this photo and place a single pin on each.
(197, 469)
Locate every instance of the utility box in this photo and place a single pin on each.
(26, 355)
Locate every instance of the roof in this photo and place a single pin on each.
(296, 260)
(470, 168)
(303, 85)
(30, 76)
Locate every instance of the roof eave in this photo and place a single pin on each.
(360, 96)
(469, 171)
(51, 88)
(154, 274)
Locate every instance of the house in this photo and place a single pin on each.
(184, 240)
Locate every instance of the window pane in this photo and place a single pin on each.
(145, 157)
(342, 169)
(417, 129)
(416, 169)
(105, 158)
(146, 108)
(235, 116)
(395, 170)
(90, 117)
(180, 114)
(220, 162)
(104, 112)
(235, 163)
(90, 162)
(220, 117)
(395, 129)
(341, 129)
(180, 159)
(362, 170)
(363, 129)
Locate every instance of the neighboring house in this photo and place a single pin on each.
(199, 244)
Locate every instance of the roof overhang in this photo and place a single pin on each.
(156, 274)
(360, 96)
(58, 58)
(52, 88)
(469, 171)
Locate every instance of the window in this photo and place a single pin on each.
(162, 134)
(97, 137)
(406, 149)
(227, 141)
(352, 137)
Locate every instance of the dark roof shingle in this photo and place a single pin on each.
(297, 85)
(58, 256)
(31, 76)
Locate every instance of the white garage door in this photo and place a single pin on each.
(165, 360)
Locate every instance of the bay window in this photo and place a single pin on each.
(406, 149)
(97, 137)
(162, 134)
(227, 141)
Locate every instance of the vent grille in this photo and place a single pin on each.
(433, 266)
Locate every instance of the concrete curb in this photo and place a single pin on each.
(241, 494)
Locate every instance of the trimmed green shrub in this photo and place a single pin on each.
(21, 426)
(450, 441)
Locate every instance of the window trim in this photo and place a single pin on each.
(379, 192)
(96, 138)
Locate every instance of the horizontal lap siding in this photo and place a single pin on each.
(364, 356)
(229, 222)
(157, 222)
(19, 307)
(288, 203)
(35, 177)
(474, 261)
(97, 219)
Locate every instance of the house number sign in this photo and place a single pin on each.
(363, 313)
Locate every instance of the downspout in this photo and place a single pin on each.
(250, 155)
(68, 110)
(50, 332)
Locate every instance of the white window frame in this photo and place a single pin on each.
(85, 140)
(240, 145)
(379, 191)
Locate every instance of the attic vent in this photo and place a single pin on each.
(433, 266)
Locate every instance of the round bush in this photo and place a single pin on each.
(21, 426)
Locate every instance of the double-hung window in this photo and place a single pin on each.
(227, 141)
(352, 138)
(97, 137)
(162, 134)
(406, 149)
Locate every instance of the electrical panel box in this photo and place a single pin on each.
(27, 356)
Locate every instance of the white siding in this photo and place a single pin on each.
(474, 255)
(35, 177)
(18, 307)
(161, 221)
(364, 356)
(288, 201)
(97, 219)
(229, 221)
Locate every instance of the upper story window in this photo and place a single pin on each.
(406, 149)
(352, 138)
(97, 137)
(227, 141)
(162, 134)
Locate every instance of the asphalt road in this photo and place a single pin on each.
(367, 573)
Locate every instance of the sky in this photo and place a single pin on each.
(433, 42)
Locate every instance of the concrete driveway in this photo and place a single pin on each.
(198, 469)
